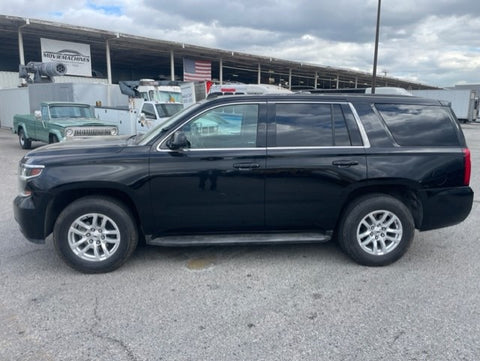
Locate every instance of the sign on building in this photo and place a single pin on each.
(75, 56)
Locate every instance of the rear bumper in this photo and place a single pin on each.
(445, 207)
(29, 218)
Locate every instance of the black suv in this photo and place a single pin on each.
(364, 170)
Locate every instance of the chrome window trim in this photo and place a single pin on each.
(265, 148)
(319, 147)
(363, 133)
(169, 134)
(213, 149)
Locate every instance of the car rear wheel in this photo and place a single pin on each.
(95, 234)
(376, 230)
(25, 143)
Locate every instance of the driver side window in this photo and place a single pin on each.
(44, 113)
(232, 126)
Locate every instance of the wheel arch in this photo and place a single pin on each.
(404, 191)
(56, 133)
(63, 198)
(21, 126)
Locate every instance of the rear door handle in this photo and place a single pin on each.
(246, 166)
(344, 163)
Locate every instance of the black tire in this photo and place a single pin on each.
(24, 142)
(389, 233)
(106, 245)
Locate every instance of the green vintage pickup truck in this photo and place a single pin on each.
(58, 121)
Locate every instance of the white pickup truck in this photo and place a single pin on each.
(149, 104)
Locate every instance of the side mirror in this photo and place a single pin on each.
(37, 114)
(178, 140)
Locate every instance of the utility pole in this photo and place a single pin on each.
(375, 56)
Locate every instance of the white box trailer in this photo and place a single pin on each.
(464, 102)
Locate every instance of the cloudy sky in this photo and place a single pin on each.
(435, 42)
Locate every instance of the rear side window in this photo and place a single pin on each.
(312, 125)
(419, 125)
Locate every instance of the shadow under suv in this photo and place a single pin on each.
(365, 170)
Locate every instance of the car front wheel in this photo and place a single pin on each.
(376, 230)
(95, 234)
(25, 143)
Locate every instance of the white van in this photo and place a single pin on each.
(244, 89)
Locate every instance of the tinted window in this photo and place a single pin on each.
(340, 132)
(419, 125)
(233, 126)
(311, 125)
(304, 125)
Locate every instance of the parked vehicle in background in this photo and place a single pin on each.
(464, 102)
(150, 103)
(366, 170)
(244, 89)
(57, 121)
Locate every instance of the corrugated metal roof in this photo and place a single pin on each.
(130, 53)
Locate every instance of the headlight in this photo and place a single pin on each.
(26, 172)
(69, 132)
(114, 131)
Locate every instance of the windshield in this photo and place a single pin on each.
(167, 110)
(165, 96)
(165, 125)
(70, 111)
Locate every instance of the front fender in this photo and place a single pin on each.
(58, 134)
(17, 127)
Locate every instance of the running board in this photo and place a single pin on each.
(232, 239)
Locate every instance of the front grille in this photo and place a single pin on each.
(91, 131)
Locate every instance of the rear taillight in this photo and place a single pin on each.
(468, 166)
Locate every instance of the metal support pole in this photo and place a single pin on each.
(172, 66)
(109, 73)
(21, 52)
(259, 78)
(221, 71)
(316, 80)
(20, 47)
(375, 56)
(356, 82)
(290, 79)
(338, 81)
(109, 64)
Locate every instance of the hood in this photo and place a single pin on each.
(87, 145)
(80, 122)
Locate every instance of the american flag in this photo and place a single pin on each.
(196, 70)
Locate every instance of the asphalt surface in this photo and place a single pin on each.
(288, 302)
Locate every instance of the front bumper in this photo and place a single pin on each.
(30, 219)
(445, 207)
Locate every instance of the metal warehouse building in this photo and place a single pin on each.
(117, 56)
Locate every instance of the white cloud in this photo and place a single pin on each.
(436, 43)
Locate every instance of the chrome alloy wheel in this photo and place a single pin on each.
(379, 232)
(94, 237)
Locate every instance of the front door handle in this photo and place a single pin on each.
(246, 166)
(344, 163)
